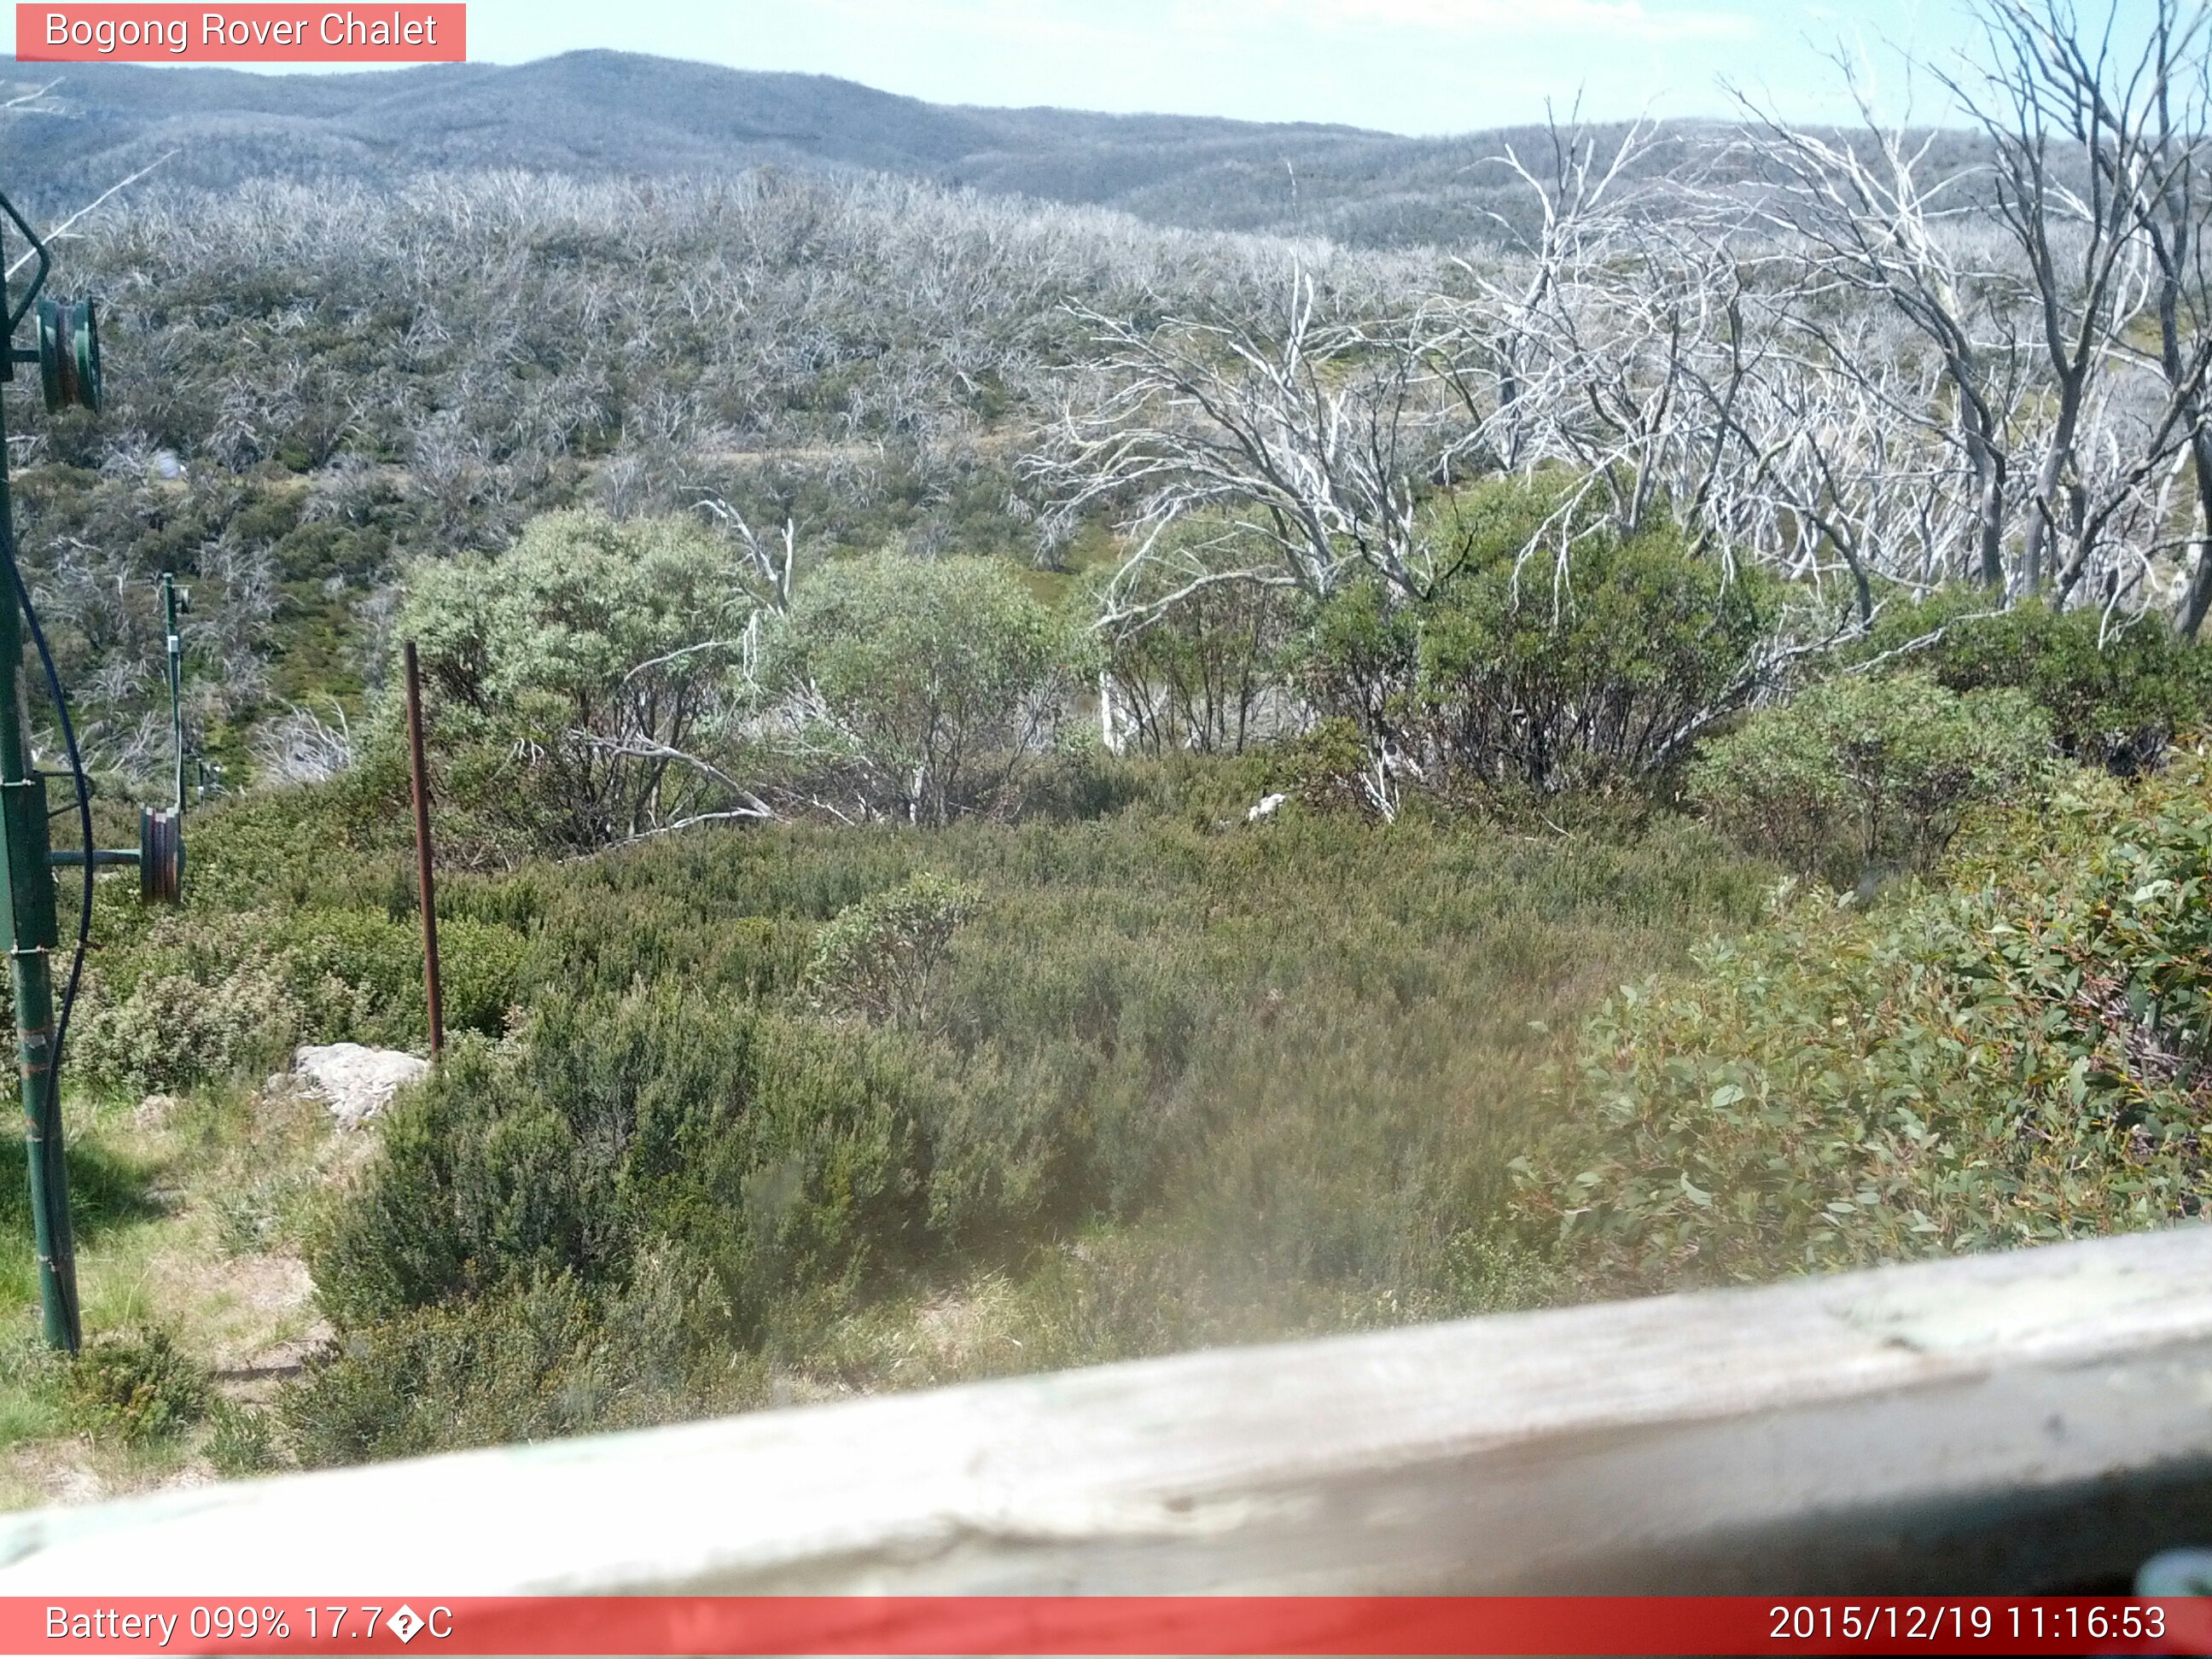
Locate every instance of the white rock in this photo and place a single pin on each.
(357, 1082)
(1265, 809)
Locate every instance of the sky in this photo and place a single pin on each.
(1412, 66)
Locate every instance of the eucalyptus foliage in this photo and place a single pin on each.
(2117, 689)
(924, 687)
(1864, 774)
(579, 677)
(1544, 673)
(2020, 1057)
(881, 956)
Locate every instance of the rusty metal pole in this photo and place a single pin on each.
(422, 853)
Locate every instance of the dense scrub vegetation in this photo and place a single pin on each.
(1096, 1058)
(1017, 789)
(1860, 775)
(309, 388)
(835, 1009)
(774, 1105)
(2016, 1055)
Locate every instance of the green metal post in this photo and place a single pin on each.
(30, 934)
(176, 683)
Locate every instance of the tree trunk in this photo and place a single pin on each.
(2198, 600)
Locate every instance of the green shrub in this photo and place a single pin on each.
(1862, 773)
(1608, 672)
(360, 973)
(933, 683)
(318, 847)
(2020, 1058)
(213, 995)
(140, 1386)
(780, 1155)
(1357, 661)
(744, 958)
(1234, 1082)
(172, 1031)
(1529, 672)
(2117, 690)
(1331, 768)
(576, 682)
(881, 957)
(1204, 672)
(550, 1359)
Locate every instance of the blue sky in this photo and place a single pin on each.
(1420, 66)
(1423, 66)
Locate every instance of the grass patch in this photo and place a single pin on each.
(175, 1306)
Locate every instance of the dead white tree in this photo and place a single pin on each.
(1576, 189)
(1873, 220)
(300, 746)
(769, 567)
(2044, 95)
(1310, 435)
(2144, 134)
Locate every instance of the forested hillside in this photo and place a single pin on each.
(345, 379)
(76, 128)
(1018, 784)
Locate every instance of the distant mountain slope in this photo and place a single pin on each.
(598, 112)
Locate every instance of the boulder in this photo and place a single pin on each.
(357, 1082)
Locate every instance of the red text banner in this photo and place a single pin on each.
(414, 1623)
(258, 33)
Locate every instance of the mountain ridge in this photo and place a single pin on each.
(600, 113)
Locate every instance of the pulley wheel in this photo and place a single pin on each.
(160, 857)
(68, 353)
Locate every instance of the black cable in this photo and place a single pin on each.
(83, 795)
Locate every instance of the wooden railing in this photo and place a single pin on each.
(2036, 1420)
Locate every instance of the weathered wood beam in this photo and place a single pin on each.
(2032, 1420)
